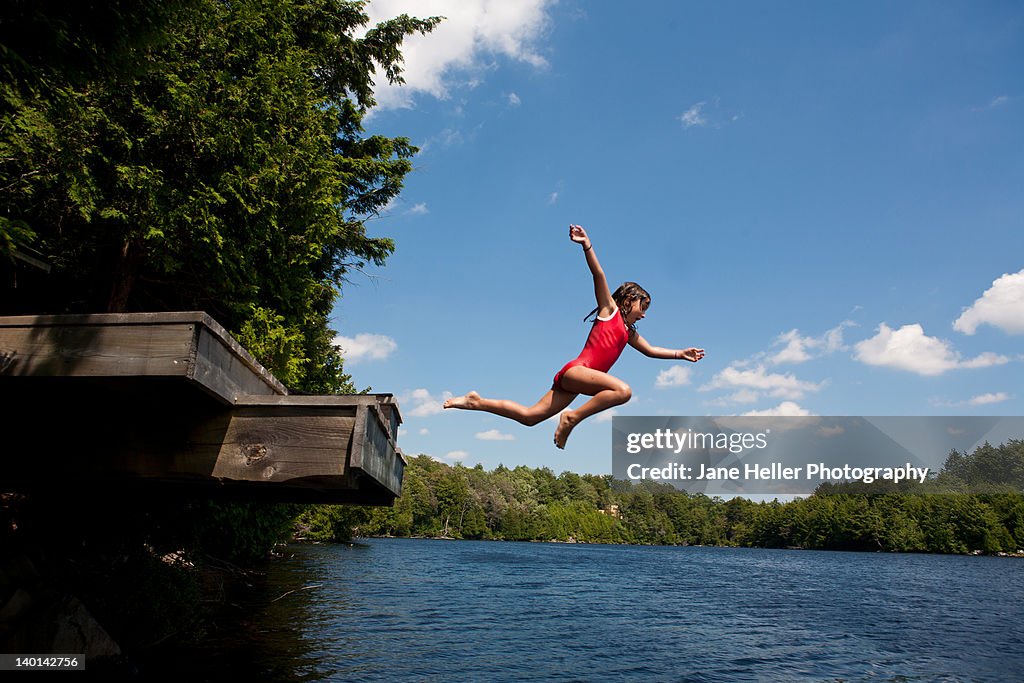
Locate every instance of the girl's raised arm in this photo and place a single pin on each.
(605, 303)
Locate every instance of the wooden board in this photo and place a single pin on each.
(190, 345)
(173, 398)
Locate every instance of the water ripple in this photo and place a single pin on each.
(419, 610)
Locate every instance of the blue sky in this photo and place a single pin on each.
(827, 197)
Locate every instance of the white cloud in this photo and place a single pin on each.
(750, 380)
(449, 137)
(796, 348)
(693, 116)
(393, 204)
(1002, 306)
(786, 409)
(995, 103)
(799, 349)
(423, 402)
(979, 400)
(553, 198)
(759, 380)
(985, 360)
(513, 99)
(456, 456)
(708, 114)
(744, 396)
(463, 46)
(675, 376)
(494, 435)
(909, 348)
(605, 416)
(424, 432)
(988, 399)
(833, 339)
(365, 346)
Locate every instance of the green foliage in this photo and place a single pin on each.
(12, 233)
(989, 468)
(214, 159)
(329, 522)
(237, 532)
(279, 349)
(193, 155)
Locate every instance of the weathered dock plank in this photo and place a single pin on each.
(190, 345)
(171, 397)
(91, 351)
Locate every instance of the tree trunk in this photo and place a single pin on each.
(127, 271)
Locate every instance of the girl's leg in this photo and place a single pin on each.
(607, 392)
(549, 404)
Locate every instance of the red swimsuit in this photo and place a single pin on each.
(607, 338)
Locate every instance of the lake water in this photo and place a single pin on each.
(424, 610)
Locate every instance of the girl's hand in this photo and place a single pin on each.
(579, 235)
(692, 355)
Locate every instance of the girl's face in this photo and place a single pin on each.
(637, 310)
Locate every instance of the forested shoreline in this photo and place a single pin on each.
(974, 505)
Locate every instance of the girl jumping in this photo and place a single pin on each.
(614, 327)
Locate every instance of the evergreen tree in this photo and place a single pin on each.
(215, 161)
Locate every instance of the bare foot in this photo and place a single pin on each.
(467, 402)
(565, 424)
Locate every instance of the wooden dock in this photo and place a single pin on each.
(172, 398)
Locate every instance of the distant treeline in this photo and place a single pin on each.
(974, 504)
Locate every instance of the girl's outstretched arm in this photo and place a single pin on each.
(605, 303)
(640, 344)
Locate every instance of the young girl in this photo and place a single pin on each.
(617, 314)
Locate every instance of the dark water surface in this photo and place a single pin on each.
(422, 610)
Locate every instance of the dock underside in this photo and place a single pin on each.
(171, 399)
